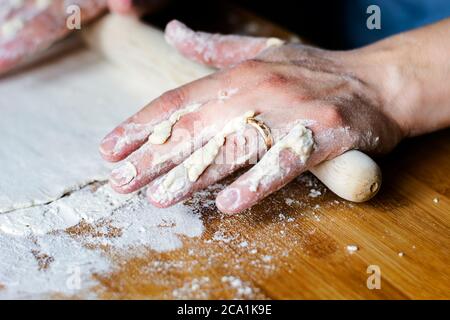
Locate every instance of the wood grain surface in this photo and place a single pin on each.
(294, 246)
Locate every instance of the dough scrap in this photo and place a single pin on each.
(299, 140)
(191, 169)
(163, 130)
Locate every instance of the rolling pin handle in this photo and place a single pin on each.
(353, 176)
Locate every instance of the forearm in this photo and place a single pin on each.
(413, 70)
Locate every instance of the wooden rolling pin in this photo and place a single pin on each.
(141, 51)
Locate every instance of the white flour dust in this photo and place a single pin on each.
(55, 249)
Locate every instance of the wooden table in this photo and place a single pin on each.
(295, 246)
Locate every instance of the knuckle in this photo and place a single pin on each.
(332, 116)
(276, 79)
(249, 65)
(174, 97)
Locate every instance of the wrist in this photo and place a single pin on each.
(411, 72)
(385, 68)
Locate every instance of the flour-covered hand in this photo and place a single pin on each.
(317, 104)
(28, 27)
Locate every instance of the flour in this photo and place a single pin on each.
(124, 174)
(243, 289)
(48, 245)
(15, 4)
(162, 131)
(11, 27)
(313, 193)
(50, 136)
(352, 248)
(196, 287)
(226, 94)
(43, 4)
(190, 170)
(208, 46)
(274, 42)
(299, 140)
(132, 132)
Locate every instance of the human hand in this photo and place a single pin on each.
(333, 94)
(31, 26)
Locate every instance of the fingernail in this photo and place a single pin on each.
(228, 199)
(123, 174)
(107, 145)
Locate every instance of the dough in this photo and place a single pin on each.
(53, 117)
(299, 140)
(11, 27)
(191, 168)
(55, 113)
(162, 131)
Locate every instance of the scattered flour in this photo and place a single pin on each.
(243, 289)
(290, 201)
(313, 193)
(220, 236)
(351, 248)
(243, 244)
(194, 288)
(55, 249)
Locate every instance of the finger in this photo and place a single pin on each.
(134, 132)
(277, 168)
(190, 133)
(240, 195)
(150, 160)
(215, 49)
(37, 35)
(121, 6)
(238, 151)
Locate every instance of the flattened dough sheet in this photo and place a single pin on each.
(52, 118)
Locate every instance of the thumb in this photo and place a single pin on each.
(215, 50)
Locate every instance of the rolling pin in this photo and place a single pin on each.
(141, 51)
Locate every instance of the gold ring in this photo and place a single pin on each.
(263, 130)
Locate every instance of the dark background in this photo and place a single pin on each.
(332, 24)
(305, 18)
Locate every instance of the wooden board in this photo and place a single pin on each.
(296, 249)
